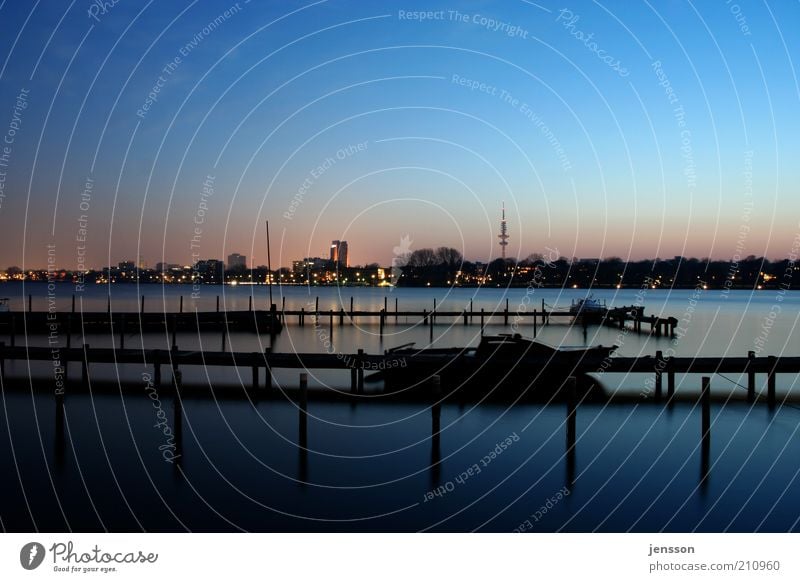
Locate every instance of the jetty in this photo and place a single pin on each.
(75, 321)
(158, 362)
(272, 320)
(523, 315)
(662, 368)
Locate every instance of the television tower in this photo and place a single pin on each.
(503, 236)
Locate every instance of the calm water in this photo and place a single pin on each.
(373, 466)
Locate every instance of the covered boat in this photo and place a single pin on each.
(502, 366)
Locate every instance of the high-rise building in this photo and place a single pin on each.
(339, 253)
(503, 236)
(237, 261)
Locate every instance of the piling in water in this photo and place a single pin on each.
(705, 400)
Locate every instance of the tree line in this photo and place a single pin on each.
(447, 266)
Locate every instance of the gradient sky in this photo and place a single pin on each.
(588, 161)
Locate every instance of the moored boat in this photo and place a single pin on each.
(502, 366)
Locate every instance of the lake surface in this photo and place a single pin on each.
(376, 467)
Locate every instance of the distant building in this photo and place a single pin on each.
(314, 263)
(209, 271)
(339, 254)
(127, 266)
(237, 261)
(163, 267)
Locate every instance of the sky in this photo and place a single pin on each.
(173, 131)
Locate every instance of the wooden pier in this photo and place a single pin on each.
(359, 362)
(44, 322)
(617, 317)
(273, 320)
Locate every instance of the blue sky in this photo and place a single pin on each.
(589, 156)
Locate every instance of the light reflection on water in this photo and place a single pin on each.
(371, 466)
(634, 468)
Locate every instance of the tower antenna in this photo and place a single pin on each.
(503, 236)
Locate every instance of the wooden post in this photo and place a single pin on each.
(436, 408)
(224, 333)
(572, 408)
(303, 391)
(360, 371)
(273, 321)
(177, 379)
(173, 356)
(267, 369)
(383, 313)
(353, 377)
(751, 377)
(30, 302)
(670, 380)
(180, 309)
(470, 310)
(283, 305)
(217, 303)
(424, 316)
(303, 409)
(396, 309)
(69, 345)
(481, 321)
(250, 303)
(705, 398)
(157, 367)
(85, 366)
(351, 310)
(771, 362)
(544, 322)
(73, 303)
(141, 308)
(433, 313)
(316, 310)
(341, 316)
(659, 360)
(331, 324)
(465, 317)
(108, 303)
(301, 319)
(255, 370)
(534, 323)
(385, 304)
(505, 315)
